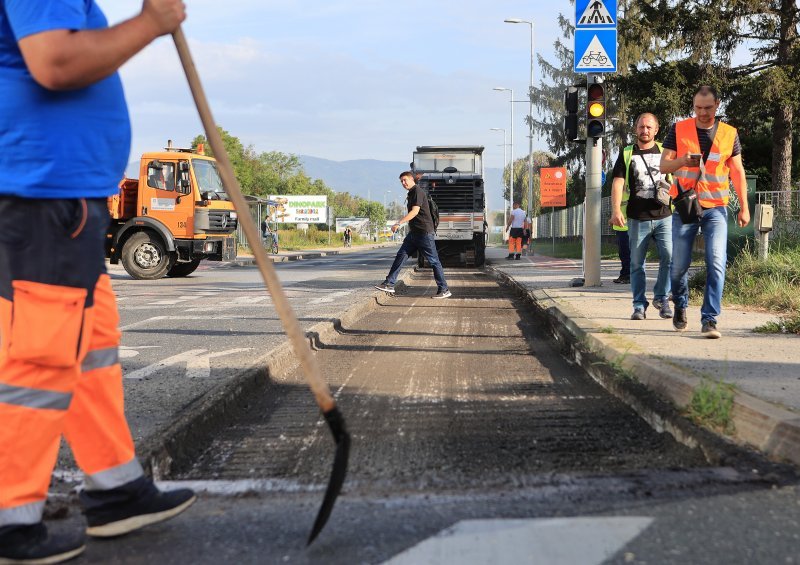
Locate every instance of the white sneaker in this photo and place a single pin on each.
(443, 294)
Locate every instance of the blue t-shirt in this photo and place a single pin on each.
(57, 144)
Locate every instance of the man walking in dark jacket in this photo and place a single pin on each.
(420, 238)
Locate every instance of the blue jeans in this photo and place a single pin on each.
(623, 245)
(640, 232)
(425, 244)
(715, 232)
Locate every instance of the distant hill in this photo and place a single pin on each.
(372, 178)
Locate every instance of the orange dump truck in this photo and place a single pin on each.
(174, 215)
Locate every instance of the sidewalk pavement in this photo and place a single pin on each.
(245, 259)
(764, 368)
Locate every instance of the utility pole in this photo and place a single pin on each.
(594, 158)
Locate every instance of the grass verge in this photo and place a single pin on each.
(712, 405)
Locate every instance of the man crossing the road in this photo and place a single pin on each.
(421, 238)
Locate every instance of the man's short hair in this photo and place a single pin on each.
(642, 115)
(407, 174)
(706, 89)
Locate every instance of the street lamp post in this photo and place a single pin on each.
(511, 173)
(530, 117)
(505, 204)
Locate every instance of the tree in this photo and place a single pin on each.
(375, 212)
(707, 43)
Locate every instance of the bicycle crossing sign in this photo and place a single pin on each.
(595, 50)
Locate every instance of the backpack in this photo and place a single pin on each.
(434, 213)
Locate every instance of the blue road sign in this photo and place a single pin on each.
(595, 13)
(595, 50)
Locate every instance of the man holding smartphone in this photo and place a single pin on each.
(704, 154)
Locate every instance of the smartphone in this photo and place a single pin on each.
(695, 155)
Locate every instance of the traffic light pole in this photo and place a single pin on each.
(592, 205)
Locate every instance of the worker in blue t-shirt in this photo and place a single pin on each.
(64, 142)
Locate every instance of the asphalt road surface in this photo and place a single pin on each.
(474, 441)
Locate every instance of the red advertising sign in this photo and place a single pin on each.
(553, 186)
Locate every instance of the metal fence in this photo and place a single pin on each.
(568, 222)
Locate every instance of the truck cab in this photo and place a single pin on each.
(174, 215)
(452, 176)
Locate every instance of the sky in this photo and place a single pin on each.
(344, 79)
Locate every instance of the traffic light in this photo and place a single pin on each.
(571, 117)
(596, 110)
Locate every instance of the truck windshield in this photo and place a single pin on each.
(437, 162)
(208, 179)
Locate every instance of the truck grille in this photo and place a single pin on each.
(462, 194)
(220, 221)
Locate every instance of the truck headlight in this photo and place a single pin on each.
(233, 215)
(209, 247)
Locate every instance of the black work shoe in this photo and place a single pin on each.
(710, 330)
(679, 319)
(510, 256)
(443, 293)
(663, 308)
(517, 257)
(622, 280)
(385, 287)
(34, 544)
(149, 507)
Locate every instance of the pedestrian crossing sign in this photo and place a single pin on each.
(595, 13)
(595, 50)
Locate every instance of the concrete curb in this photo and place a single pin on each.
(772, 430)
(176, 445)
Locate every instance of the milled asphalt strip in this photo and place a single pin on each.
(177, 444)
(771, 429)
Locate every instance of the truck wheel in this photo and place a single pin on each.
(145, 257)
(480, 255)
(183, 269)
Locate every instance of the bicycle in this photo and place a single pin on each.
(594, 56)
(271, 243)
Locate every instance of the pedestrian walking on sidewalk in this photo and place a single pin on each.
(516, 223)
(64, 145)
(635, 205)
(704, 155)
(421, 238)
(623, 252)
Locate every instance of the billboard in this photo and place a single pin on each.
(358, 225)
(299, 209)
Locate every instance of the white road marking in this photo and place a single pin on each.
(332, 297)
(556, 541)
(200, 367)
(128, 352)
(197, 364)
(159, 318)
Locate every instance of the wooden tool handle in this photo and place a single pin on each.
(300, 344)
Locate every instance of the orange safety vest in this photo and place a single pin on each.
(712, 184)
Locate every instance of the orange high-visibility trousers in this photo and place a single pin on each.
(515, 245)
(59, 375)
